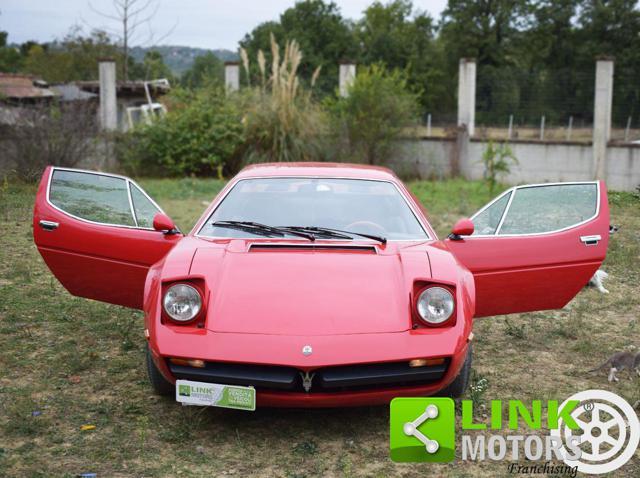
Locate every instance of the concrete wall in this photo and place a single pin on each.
(423, 159)
(538, 162)
(623, 167)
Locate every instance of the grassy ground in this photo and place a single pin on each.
(79, 362)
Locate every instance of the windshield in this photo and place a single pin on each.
(358, 205)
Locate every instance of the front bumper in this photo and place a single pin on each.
(342, 378)
(376, 353)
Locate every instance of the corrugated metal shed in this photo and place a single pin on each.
(72, 92)
(125, 89)
(19, 87)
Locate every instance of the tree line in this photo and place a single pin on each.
(534, 57)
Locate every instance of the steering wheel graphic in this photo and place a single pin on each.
(606, 421)
(598, 431)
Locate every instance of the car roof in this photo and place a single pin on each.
(329, 170)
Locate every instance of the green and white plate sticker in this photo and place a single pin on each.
(215, 395)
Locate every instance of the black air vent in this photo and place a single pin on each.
(341, 378)
(313, 247)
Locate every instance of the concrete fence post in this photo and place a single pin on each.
(346, 78)
(232, 75)
(467, 94)
(108, 101)
(602, 115)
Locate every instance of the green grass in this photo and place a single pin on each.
(81, 362)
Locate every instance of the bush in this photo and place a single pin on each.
(60, 135)
(209, 131)
(282, 121)
(497, 161)
(201, 135)
(378, 109)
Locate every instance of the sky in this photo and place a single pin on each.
(197, 23)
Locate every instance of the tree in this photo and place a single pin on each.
(379, 107)
(73, 58)
(611, 28)
(10, 58)
(130, 15)
(323, 35)
(483, 29)
(206, 68)
(154, 67)
(550, 81)
(488, 30)
(395, 35)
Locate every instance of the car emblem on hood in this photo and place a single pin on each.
(307, 350)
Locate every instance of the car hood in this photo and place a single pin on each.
(326, 290)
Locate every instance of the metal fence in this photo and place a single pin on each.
(543, 105)
(625, 115)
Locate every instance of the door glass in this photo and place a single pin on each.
(143, 207)
(487, 221)
(550, 208)
(94, 197)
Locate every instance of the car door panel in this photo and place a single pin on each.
(106, 262)
(534, 271)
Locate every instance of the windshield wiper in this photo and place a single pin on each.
(262, 229)
(316, 231)
(336, 233)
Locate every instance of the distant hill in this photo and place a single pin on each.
(180, 58)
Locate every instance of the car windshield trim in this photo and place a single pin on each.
(201, 224)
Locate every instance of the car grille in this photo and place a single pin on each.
(328, 379)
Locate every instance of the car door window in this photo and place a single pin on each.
(486, 222)
(93, 197)
(143, 207)
(546, 208)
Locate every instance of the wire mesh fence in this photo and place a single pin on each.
(539, 105)
(625, 115)
(437, 123)
(542, 105)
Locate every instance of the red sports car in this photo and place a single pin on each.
(315, 285)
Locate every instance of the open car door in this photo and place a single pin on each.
(95, 233)
(535, 246)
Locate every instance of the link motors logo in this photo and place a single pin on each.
(593, 432)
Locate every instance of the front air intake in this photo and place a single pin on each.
(311, 247)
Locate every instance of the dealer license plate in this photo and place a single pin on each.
(215, 395)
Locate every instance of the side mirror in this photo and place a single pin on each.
(163, 223)
(464, 227)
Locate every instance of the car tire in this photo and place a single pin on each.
(160, 384)
(460, 384)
